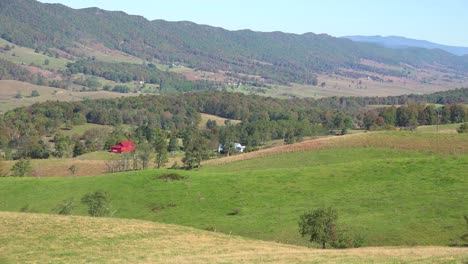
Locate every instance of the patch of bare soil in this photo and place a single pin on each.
(36, 70)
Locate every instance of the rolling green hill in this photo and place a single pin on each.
(389, 195)
(70, 239)
(273, 57)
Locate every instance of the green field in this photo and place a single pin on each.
(390, 196)
(9, 88)
(446, 128)
(41, 238)
(27, 56)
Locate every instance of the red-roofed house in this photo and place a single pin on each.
(126, 146)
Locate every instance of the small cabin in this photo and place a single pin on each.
(122, 147)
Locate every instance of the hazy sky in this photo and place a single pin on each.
(443, 22)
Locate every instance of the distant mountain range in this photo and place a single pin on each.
(271, 57)
(402, 42)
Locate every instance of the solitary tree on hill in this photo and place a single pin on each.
(319, 225)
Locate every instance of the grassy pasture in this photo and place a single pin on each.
(65, 239)
(27, 56)
(392, 197)
(447, 128)
(428, 143)
(9, 88)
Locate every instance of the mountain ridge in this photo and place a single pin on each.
(268, 57)
(404, 42)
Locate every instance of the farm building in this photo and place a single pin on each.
(126, 146)
(237, 146)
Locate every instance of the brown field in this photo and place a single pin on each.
(342, 86)
(219, 120)
(59, 167)
(90, 165)
(102, 53)
(41, 238)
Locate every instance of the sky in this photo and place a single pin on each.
(443, 22)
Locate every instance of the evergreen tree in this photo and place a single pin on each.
(196, 150)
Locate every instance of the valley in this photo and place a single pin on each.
(125, 139)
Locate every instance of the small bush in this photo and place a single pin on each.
(73, 169)
(98, 203)
(235, 211)
(346, 239)
(463, 128)
(22, 168)
(65, 207)
(175, 166)
(35, 93)
(172, 177)
(163, 206)
(25, 208)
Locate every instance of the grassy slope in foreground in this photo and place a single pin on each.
(391, 196)
(48, 238)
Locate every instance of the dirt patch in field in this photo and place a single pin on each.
(36, 70)
(103, 49)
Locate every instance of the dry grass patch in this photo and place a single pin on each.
(48, 238)
(60, 167)
(219, 120)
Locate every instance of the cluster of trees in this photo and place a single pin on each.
(166, 118)
(444, 97)
(128, 72)
(413, 115)
(11, 71)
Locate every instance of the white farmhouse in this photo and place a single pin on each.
(239, 148)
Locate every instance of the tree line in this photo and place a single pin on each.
(22, 130)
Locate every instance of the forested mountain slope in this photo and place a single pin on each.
(402, 42)
(276, 57)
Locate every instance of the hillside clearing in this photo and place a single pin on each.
(48, 238)
(9, 88)
(26, 56)
(219, 120)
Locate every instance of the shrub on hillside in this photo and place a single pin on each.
(21, 168)
(171, 177)
(2, 167)
(235, 211)
(35, 93)
(98, 203)
(463, 128)
(65, 207)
